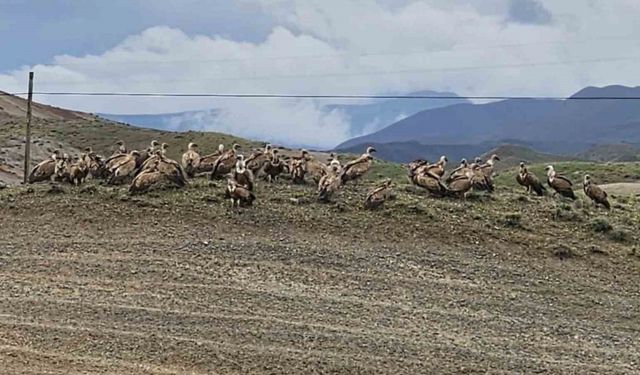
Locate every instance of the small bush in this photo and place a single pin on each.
(566, 214)
(513, 220)
(619, 235)
(563, 252)
(601, 225)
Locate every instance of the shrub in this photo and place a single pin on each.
(601, 225)
(619, 235)
(513, 220)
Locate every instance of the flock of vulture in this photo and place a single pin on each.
(151, 167)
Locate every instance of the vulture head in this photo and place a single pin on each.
(463, 162)
(120, 143)
(478, 160)
(89, 150)
(240, 166)
(235, 147)
(587, 179)
(550, 170)
(155, 143)
(221, 147)
(370, 150)
(192, 146)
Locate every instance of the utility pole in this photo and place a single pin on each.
(27, 145)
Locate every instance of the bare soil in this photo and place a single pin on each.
(95, 281)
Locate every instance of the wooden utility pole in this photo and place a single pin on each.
(27, 145)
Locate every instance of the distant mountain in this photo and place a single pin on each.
(368, 118)
(554, 126)
(612, 153)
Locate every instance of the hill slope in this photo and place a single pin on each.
(56, 128)
(561, 127)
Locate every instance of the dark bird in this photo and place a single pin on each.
(45, 170)
(225, 162)
(529, 180)
(191, 160)
(560, 184)
(239, 195)
(595, 192)
(357, 168)
(376, 197)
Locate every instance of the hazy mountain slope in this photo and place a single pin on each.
(363, 118)
(367, 118)
(553, 125)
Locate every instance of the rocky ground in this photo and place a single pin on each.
(93, 280)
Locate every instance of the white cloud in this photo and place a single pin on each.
(351, 47)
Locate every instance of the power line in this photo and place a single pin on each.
(302, 96)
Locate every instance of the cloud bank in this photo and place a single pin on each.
(497, 47)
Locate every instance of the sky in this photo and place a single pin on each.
(325, 47)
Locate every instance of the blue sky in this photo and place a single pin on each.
(41, 29)
(470, 47)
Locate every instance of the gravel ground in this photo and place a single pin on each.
(95, 281)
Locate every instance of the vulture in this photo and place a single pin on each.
(378, 196)
(257, 160)
(121, 149)
(430, 181)
(94, 162)
(206, 162)
(416, 167)
(530, 181)
(145, 180)
(44, 170)
(62, 168)
(298, 170)
(460, 171)
(171, 169)
(316, 169)
(153, 149)
(460, 185)
(331, 182)
(242, 175)
(79, 170)
(225, 162)
(358, 167)
(112, 161)
(595, 192)
(238, 194)
(125, 168)
(146, 158)
(486, 170)
(191, 159)
(438, 168)
(158, 169)
(274, 167)
(560, 184)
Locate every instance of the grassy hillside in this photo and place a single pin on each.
(602, 173)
